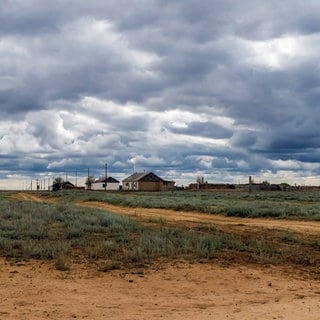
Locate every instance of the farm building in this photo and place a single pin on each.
(59, 185)
(211, 186)
(100, 184)
(146, 181)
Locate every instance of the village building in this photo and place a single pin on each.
(60, 185)
(146, 181)
(211, 186)
(108, 184)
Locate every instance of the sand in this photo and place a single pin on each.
(177, 290)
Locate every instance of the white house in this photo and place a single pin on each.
(105, 184)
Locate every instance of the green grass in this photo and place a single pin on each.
(280, 205)
(64, 232)
(48, 231)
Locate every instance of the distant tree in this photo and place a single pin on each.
(57, 184)
(266, 183)
(200, 180)
(89, 181)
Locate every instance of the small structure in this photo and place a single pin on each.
(67, 185)
(146, 181)
(106, 184)
(256, 187)
(59, 184)
(211, 186)
(168, 185)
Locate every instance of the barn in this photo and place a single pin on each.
(145, 181)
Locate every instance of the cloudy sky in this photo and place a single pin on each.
(217, 88)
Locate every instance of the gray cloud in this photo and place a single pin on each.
(183, 86)
(204, 129)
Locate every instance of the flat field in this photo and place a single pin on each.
(173, 255)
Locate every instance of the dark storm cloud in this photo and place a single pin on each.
(253, 64)
(62, 56)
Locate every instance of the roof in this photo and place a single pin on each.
(109, 180)
(68, 183)
(142, 176)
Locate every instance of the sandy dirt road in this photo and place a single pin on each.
(172, 290)
(177, 291)
(181, 217)
(27, 197)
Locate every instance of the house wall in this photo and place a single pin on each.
(150, 185)
(143, 186)
(100, 186)
(168, 186)
(132, 186)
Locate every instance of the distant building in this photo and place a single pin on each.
(67, 185)
(105, 184)
(258, 187)
(146, 181)
(211, 186)
(61, 185)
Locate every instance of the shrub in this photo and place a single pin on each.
(239, 212)
(62, 264)
(113, 265)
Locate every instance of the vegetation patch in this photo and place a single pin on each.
(276, 204)
(66, 233)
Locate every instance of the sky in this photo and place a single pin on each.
(221, 89)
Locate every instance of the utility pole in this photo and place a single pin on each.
(88, 185)
(106, 177)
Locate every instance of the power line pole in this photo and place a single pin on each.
(106, 177)
(88, 181)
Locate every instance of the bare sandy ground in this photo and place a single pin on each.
(35, 290)
(176, 290)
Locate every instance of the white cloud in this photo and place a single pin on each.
(88, 33)
(284, 52)
(286, 164)
(48, 128)
(149, 161)
(15, 138)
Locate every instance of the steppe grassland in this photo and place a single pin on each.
(64, 232)
(283, 205)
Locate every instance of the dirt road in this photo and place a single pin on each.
(177, 291)
(201, 218)
(27, 197)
